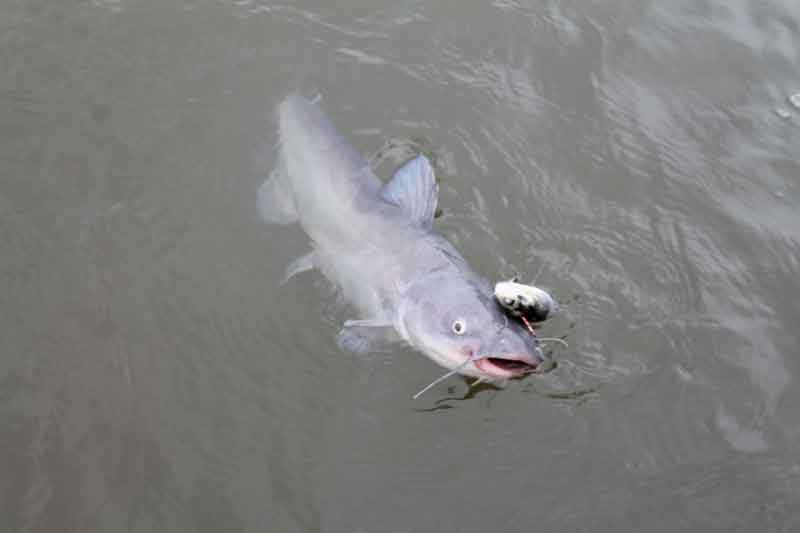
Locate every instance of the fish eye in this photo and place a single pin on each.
(459, 327)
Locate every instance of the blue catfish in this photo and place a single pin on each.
(375, 242)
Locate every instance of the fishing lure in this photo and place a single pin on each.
(529, 303)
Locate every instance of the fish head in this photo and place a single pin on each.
(460, 326)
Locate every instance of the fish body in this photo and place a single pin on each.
(375, 242)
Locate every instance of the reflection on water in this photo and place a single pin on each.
(155, 376)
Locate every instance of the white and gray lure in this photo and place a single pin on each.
(530, 303)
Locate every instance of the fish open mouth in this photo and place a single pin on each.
(497, 367)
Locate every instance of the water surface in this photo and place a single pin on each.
(638, 158)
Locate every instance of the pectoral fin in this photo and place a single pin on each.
(301, 264)
(364, 336)
(413, 189)
(275, 200)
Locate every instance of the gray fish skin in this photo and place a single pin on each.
(375, 242)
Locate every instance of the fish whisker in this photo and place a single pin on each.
(442, 378)
(476, 382)
(554, 339)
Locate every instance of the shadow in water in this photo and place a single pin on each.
(475, 387)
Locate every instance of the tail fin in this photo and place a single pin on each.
(275, 200)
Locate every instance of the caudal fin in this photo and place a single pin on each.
(275, 200)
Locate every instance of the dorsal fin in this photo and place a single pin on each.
(413, 189)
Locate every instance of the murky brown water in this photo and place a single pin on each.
(637, 156)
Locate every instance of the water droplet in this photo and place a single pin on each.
(781, 112)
